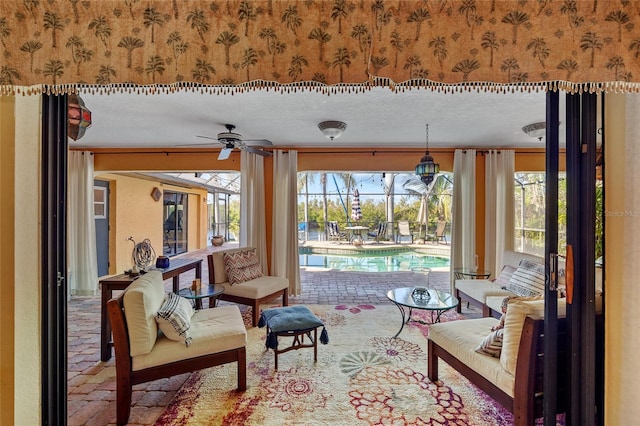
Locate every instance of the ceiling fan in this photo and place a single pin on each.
(232, 140)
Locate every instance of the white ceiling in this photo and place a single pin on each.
(375, 118)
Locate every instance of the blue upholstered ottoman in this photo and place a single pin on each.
(294, 321)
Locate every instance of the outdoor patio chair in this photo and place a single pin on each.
(381, 232)
(404, 231)
(439, 233)
(334, 232)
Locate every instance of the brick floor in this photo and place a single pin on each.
(92, 384)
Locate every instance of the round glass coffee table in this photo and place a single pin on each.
(437, 302)
(211, 291)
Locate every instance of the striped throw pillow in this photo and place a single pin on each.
(492, 344)
(242, 266)
(528, 279)
(174, 318)
(505, 276)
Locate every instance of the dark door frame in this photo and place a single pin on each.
(54, 260)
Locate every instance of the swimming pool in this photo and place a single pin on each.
(373, 262)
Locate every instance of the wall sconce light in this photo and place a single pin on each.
(78, 117)
(427, 169)
(332, 129)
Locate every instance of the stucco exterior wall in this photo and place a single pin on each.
(134, 213)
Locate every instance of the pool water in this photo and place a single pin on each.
(373, 262)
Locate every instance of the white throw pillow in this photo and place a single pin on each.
(528, 279)
(174, 318)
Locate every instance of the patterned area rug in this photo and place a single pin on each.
(362, 377)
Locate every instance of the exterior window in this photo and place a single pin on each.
(529, 194)
(174, 223)
(99, 202)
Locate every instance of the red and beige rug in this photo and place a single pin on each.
(362, 377)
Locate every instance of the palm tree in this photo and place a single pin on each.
(269, 35)
(105, 74)
(341, 59)
(278, 49)
(31, 47)
(439, 49)
(102, 29)
(291, 18)
(297, 62)
(615, 64)
(151, 18)
(198, 22)
(591, 41)
(53, 68)
(227, 39)
(419, 16)
(53, 22)
(540, 49)
(515, 18)
(155, 65)
(249, 58)
(619, 17)
(81, 56)
(466, 67)
(378, 62)
(398, 45)
(5, 31)
(338, 12)
(468, 9)
(179, 46)
(202, 71)
(509, 65)
(490, 42)
(322, 37)
(246, 13)
(8, 75)
(130, 43)
(568, 65)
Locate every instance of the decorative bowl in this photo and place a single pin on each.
(421, 294)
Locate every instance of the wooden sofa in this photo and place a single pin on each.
(253, 292)
(476, 292)
(521, 392)
(143, 354)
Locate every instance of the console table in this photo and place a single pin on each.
(122, 281)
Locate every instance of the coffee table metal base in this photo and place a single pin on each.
(435, 317)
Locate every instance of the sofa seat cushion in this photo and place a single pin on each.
(461, 338)
(481, 289)
(495, 302)
(212, 330)
(256, 288)
(141, 302)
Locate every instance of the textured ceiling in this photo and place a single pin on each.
(377, 117)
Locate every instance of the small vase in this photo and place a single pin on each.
(162, 262)
(217, 240)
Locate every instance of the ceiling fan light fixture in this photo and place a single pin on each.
(332, 129)
(536, 130)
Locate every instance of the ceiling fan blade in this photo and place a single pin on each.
(207, 137)
(224, 153)
(257, 151)
(257, 142)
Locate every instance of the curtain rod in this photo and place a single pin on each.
(372, 153)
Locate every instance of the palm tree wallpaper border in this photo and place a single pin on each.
(221, 45)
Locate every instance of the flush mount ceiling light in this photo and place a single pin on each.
(536, 130)
(332, 129)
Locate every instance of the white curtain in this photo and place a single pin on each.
(499, 207)
(252, 209)
(463, 227)
(82, 263)
(284, 260)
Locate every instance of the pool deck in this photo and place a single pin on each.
(371, 246)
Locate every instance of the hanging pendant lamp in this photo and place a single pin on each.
(427, 169)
